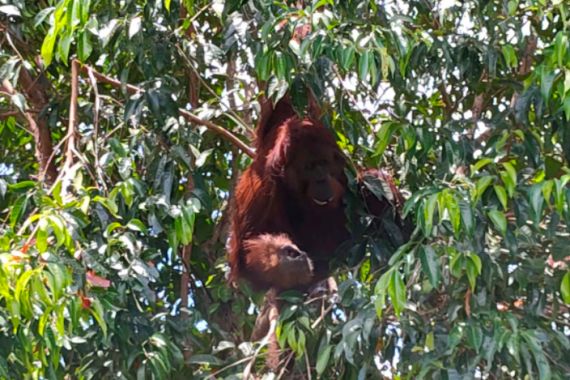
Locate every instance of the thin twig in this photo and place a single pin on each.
(200, 11)
(234, 364)
(321, 317)
(264, 342)
(7, 114)
(96, 109)
(308, 365)
(284, 366)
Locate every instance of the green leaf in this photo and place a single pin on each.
(481, 164)
(173, 240)
(454, 212)
(397, 291)
(547, 188)
(552, 167)
(384, 136)
(467, 217)
(292, 339)
(13, 308)
(510, 56)
(430, 264)
(536, 201)
(474, 337)
(373, 68)
(430, 341)
(18, 209)
(380, 304)
(42, 235)
(74, 16)
(383, 283)
(560, 47)
(509, 177)
(41, 16)
(546, 81)
(48, 46)
(512, 6)
(136, 225)
(59, 229)
(84, 47)
(167, 5)
(387, 63)
(347, 57)
(502, 195)
(499, 220)
(473, 268)
(22, 283)
(566, 107)
(59, 322)
(57, 280)
(565, 288)
(476, 261)
(85, 7)
(560, 194)
(482, 185)
(99, 314)
(363, 65)
(429, 211)
(280, 66)
(538, 354)
(301, 343)
(22, 185)
(109, 204)
(44, 318)
(380, 290)
(456, 263)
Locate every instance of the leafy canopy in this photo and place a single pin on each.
(114, 187)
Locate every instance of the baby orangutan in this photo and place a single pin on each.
(277, 262)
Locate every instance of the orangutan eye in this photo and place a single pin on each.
(291, 252)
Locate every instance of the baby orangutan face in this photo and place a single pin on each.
(276, 261)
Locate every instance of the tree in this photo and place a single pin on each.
(124, 125)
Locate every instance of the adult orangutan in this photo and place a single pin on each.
(294, 187)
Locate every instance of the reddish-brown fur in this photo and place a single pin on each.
(269, 198)
(277, 257)
(294, 186)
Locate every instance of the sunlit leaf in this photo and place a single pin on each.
(499, 220)
(430, 264)
(565, 288)
(397, 291)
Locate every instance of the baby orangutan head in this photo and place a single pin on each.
(276, 261)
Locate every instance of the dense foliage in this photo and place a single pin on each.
(119, 130)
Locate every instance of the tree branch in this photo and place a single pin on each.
(37, 126)
(131, 89)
